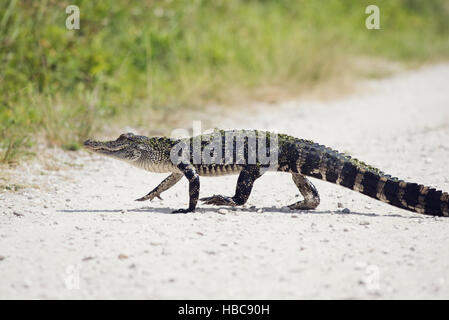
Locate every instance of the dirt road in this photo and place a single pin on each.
(78, 233)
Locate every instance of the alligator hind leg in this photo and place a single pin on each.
(308, 191)
(242, 191)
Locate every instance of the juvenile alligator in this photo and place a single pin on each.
(233, 152)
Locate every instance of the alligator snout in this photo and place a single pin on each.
(89, 144)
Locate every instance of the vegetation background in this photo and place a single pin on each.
(147, 63)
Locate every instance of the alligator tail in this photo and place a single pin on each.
(329, 165)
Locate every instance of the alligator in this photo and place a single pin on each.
(245, 152)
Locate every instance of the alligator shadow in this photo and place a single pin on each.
(167, 210)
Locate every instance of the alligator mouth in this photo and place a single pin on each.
(102, 146)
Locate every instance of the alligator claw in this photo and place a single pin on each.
(149, 197)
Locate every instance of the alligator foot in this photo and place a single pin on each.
(150, 197)
(219, 200)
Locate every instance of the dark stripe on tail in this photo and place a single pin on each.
(391, 192)
(369, 183)
(312, 162)
(347, 175)
(332, 163)
(432, 201)
(411, 194)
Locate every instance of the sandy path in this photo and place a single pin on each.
(80, 235)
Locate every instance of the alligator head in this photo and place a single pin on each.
(127, 147)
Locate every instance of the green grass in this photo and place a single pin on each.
(144, 61)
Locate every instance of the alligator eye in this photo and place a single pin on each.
(126, 135)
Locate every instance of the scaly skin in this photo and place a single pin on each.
(299, 157)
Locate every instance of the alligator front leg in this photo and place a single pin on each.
(242, 191)
(194, 186)
(166, 184)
